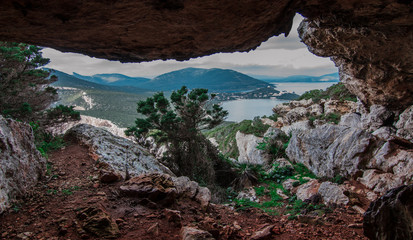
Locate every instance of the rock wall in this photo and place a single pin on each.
(371, 44)
(21, 165)
(366, 146)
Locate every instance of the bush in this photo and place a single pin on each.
(63, 113)
(335, 92)
(255, 127)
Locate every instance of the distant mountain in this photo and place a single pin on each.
(216, 80)
(332, 77)
(66, 80)
(113, 79)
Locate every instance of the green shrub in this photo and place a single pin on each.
(62, 112)
(336, 92)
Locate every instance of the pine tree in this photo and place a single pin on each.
(24, 85)
(180, 121)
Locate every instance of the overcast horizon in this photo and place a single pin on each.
(277, 57)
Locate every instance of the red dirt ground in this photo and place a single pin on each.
(49, 212)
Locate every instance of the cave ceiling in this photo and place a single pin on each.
(369, 40)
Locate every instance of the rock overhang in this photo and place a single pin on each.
(370, 41)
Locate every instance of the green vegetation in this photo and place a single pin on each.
(24, 90)
(63, 113)
(181, 121)
(44, 141)
(225, 134)
(330, 118)
(336, 92)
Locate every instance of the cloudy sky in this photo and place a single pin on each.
(279, 56)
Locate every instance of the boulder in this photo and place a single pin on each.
(385, 133)
(352, 120)
(297, 126)
(191, 189)
(378, 181)
(391, 216)
(247, 147)
(22, 165)
(332, 193)
(156, 187)
(340, 107)
(307, 190)
(289, 184)
(395, 157)
(295, 115)
(98, 222)
(192, 233)
(379, 116)
(262, 234)
(315, 109)
(331, 150)
(405, 124)
(121, 154)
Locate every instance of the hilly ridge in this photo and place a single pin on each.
(215, 79)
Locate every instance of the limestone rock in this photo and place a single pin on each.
(379, 182)
(192, 233)
(289, 184)
(330, 150)
(352, 120)
(61, 128)
(190, 189)
(262, 234)
(378, 117)
(120, 153)
(297, 127)
(98, 222)
(185, 187)
(21, 163)
(248, 193)
(315, 109)
(156, 187)
(332, 193)
(391, 216)
(247, 147)
(376, 77)
(307, 190)
(405, 124)
(385, 132)
(295, 115)
(340, 107)
(203, 197)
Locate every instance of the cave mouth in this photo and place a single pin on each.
(279, 56)
(370, 41)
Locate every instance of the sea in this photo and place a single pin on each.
(239, 110)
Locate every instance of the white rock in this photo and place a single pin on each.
(379, 182)
(385, 133)
(352, 120)
(405, 124)
(307, 190)
(330, 150)
(289, 184)
(377, 117)
(332, 193)
(297, 126)
(247, 148)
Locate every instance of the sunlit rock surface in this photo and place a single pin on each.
(121, 154)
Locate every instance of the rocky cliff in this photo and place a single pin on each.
(21, 164)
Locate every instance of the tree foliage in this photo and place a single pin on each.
(24, 86)
(181, 120)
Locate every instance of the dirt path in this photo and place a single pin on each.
(53, 211)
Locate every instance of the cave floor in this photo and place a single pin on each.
(51, 211)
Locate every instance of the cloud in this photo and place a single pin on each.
(279, 56)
